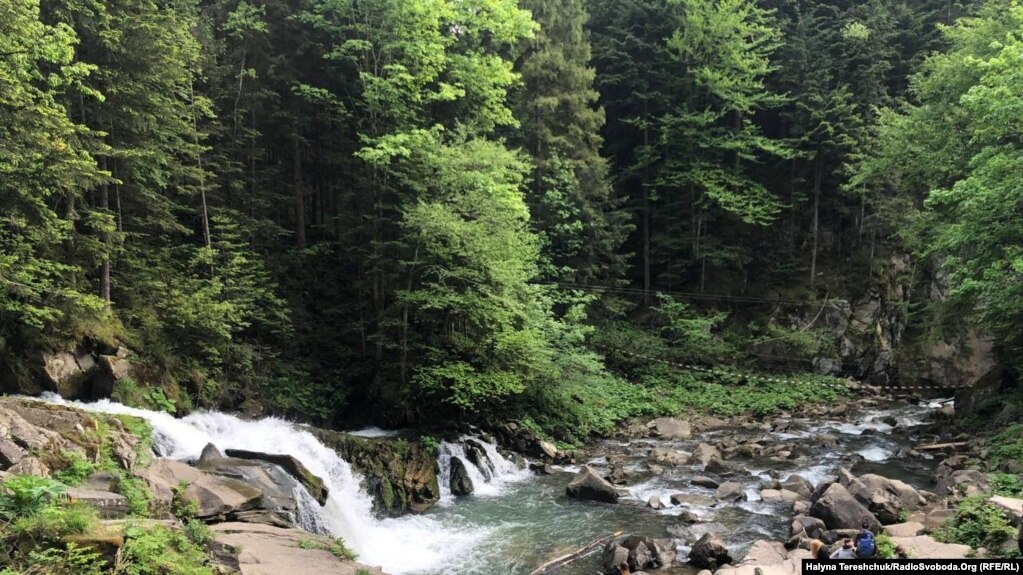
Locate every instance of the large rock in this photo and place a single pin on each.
(476, 453)
(68, 374)
(704, 481)
(316, 486)
(1012, 508)
(840, 510)
(907, 497)
(108, 505)
(798, 484)
(705, 452)
(111, 370)
(709, 552)
(269, 550)
(908, 529)
(459, 482)
(400, 474)
(669, 456)
(807, 527)
(924, 547)
(587, 484)
(960, 482)
(765, 553)
(670, 428)
(730, 491)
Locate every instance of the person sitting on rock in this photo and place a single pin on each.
(866, 548)
(846, 551)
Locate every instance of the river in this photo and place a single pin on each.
(518, 520)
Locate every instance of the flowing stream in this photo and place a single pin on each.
(516, 520)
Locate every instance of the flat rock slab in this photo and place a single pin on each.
(267, 550)
(1012, 508)
(924, 547)
(908, 529)
(108, 505)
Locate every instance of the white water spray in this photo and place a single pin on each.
(405, 545)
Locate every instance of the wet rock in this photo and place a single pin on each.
(476, 453)
(689, 517)
(709, 552)
(695, 531)
(542, 468)
(801, 507)
(670, 428)
(460, 483)
(705, 452)
(271, 549)
(617, 475)
(730, 491)
(692, 499)
(799, 485)
(655, 469)
(840, 510)
(669, 456)
(704, 481)
(315, 485)
(655, 502)
(719, 467)
(588, 485)
(770, 495)
(209, 453)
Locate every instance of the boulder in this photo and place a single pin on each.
(730, 491)
(62, 372)
(220, 496)
(719, 467)
(924, 547)
(709, 552)
(908, 529)
(10, 453)
(798, 484)
(907, 497)
(639, 551)
(704, 481)
(112, 369)
(316, 486)
(807, 527)
(670, 428)
(840, 510)
(265, 549)
(209, 454)
(655, 502)
(587, 484)
(29, 466)
(476, 453)
(692, 499)
(460, 483)
(102, 481)
(617, 475)
(1012, 508)
(108, 505)
(960, 481)
(669, 456)
(765, 553)
(705, 452)
(401, 475)
(770, 495)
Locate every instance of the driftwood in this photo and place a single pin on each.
(570, 557)
(934, 446)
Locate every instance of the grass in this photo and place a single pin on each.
(337, 548)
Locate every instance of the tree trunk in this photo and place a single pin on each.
(299, 199)
(816, 221)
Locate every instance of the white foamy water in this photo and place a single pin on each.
(875, 453)
(504, 473)
(404, 545)
(373, 432)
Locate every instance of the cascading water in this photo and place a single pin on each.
(405, 545)
(512, 524)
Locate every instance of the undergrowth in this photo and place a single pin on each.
(977, 523)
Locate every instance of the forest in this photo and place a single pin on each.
(414, 211)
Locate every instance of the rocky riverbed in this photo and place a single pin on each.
(726, 495)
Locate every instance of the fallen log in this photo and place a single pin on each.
(934, 446)
(570, 557)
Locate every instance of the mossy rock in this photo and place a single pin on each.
(401, 474)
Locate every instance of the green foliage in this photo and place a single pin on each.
(337, 548)
(54, 522)
(27, 495)
(183, 507)
(1006, 484)
(73, 468)
(198, 532)
(136, 491)
(69, 560)
(978, 523)
(430, 444)
(1007, 445)
(885, 546)
(162, 551)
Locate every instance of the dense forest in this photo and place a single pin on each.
(413, 210)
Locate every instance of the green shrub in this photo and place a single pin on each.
(26, 495)
(198, 532)
(430, 444)
(977, 523)
(73, 468)
(137, 493)
(1006, 484)
(162, 551)
(183, 507)
(341, 551)
(71, 560)
(1007, 445)
(885, 546)
(128, 392)
(53, 522)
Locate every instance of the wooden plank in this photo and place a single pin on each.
(570, 557)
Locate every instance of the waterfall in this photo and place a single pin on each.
(505, 472)
(404, 545)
